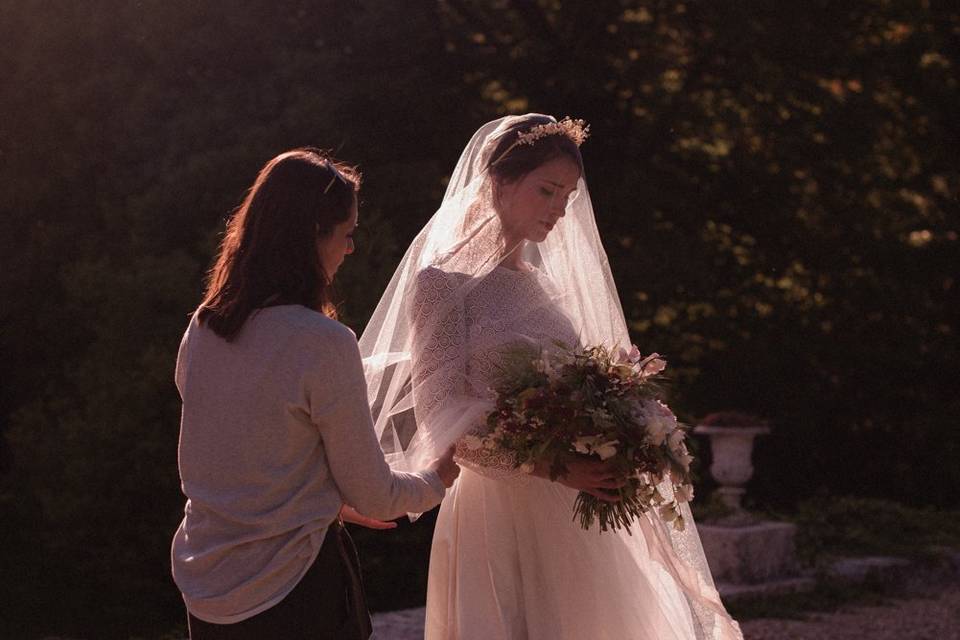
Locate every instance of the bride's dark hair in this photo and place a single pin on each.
(509, 161)
(268, 255)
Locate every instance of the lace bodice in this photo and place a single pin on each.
(459, 355)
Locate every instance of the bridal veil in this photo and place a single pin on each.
(418, 413)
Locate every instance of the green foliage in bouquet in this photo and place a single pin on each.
(559, 405)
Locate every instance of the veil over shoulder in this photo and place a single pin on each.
(420, 411)
(459, 245)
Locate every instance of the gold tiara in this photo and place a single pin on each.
(576, 130)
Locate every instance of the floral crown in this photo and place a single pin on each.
(576, 130)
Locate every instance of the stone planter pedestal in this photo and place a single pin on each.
(750, 554)
(732, 468)
(748, 557)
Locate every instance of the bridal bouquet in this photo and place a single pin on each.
(553, 407)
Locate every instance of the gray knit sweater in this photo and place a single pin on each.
(275, 436)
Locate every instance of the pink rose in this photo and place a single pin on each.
(628, 357)
(651, 365)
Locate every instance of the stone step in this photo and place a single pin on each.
(858, 570)
(785, 586)
(755, 553)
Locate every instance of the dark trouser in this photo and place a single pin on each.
(327, 604)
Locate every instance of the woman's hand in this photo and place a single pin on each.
(589, 475)
(446, 468)
(349, 514)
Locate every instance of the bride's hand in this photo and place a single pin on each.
(446, 468)
(590, 476)
(349, 514)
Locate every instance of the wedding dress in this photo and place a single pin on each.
(508, 561)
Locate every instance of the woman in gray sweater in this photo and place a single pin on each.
(276, 435)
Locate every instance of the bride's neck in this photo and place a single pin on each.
(514, 257)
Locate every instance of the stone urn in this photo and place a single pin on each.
(748, 557)
(731, 443)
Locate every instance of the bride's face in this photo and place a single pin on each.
(531, 206)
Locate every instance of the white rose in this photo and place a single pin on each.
(593, 444)
(660, 422)
(584, 444)
(607, 449)
(657, 431)
(675, 441)
(543, 365)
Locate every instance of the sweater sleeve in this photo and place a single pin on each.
(337, 396)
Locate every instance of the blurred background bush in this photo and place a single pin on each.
(776, 185)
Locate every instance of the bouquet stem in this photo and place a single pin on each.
(610, 515)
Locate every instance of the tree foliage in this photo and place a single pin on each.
(775, 184)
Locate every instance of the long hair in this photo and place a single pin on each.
(268, 255)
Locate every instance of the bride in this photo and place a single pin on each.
(513, 256)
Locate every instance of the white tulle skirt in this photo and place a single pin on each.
(508, 562)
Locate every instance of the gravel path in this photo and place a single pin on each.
(931, 618)
(918, 618)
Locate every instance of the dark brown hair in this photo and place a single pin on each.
(268, 255)
(511, 164)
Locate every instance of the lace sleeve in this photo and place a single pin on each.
(440, 367)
